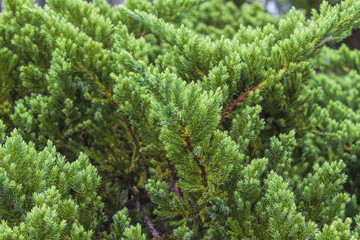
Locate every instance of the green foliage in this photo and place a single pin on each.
(121, 228)
(337, 115)
(44, 197)
(308, 5)
(183, 233)
(216, 18)
(202, 117)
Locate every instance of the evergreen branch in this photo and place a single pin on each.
(123, 117)
(319, 45)
(236, 102)
(197, 159)
(133, 137)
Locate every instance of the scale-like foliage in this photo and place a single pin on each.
(201, 117)
(44, 197)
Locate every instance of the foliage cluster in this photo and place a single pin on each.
(203, 119)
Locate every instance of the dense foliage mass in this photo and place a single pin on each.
(308, 5)
(204, 119)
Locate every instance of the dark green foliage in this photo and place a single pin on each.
(308, 5)
(337, 116)
(204, 119)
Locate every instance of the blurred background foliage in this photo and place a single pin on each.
(283, 5)
(275, 7)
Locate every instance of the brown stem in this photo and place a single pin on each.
(236, 102)
(355, 185)
(147, 220)
(196, 213)
(142, 34)
(139, 35)
(347, 148)
(150, 225)
(174, 180)
(197, 159)
(137, 145)
(133, 137)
